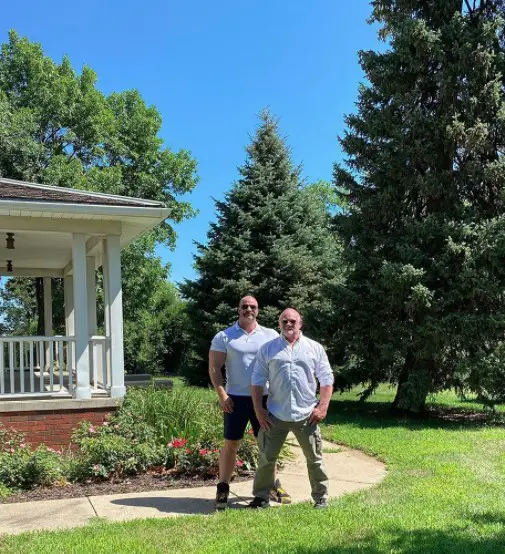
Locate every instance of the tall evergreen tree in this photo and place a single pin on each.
(425, 230)
(272, 239)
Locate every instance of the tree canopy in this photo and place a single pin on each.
(58, 128)
(424, 234)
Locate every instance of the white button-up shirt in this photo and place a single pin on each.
(240, 348)
(291, 374)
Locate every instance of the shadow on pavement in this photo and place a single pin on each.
(181, 506)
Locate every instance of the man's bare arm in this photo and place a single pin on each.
(320, 411)
(261, 413)
(216, 363)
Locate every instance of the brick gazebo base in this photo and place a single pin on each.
(52, 422)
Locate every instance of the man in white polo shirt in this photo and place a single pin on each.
(236, 348)
(290, 364)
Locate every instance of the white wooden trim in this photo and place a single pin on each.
(61, 225)
(31, 272)
(86, 209)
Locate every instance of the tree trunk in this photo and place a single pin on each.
(39, 298)
(414, 385)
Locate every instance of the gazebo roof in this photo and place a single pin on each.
(44, 217)
(20, 190)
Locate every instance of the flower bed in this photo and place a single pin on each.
(175, 432)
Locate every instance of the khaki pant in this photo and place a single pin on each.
(270, 443)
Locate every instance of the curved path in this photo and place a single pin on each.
(349, 471)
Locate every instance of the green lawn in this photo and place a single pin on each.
(445, 492)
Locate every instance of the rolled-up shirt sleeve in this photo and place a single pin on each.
(323, 369)
(259, 376)
(218, 343)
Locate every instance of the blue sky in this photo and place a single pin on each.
(209, 68)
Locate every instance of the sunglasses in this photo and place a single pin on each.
(292, 321)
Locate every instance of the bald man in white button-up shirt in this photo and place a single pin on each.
(290, 364)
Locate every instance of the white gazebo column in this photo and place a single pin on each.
(92, 329)
(112, 276)
(91, 286)
(48, 317)
(106, 311)
(82, 390)
(68, 291)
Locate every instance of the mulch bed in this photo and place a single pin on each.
(138, 483)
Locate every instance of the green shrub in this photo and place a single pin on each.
(4, 492)
(23, 468)
(114, 450)
(192, 459)
(11, 440)
(44, 467)
(12, 468)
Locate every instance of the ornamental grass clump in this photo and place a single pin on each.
(182, 412)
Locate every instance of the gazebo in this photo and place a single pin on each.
(54, 232)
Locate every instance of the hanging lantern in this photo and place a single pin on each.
(9, 265)
(10, 241)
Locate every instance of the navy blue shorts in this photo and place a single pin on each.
(235, 423)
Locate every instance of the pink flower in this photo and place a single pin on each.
(188, 451)
(240, 463)
(91, 429)
(22, 445)
(105, 423)
(177, 443)
(204, 451)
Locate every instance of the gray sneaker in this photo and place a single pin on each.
(321, 504)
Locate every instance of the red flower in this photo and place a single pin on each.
(204, 451)
(240, 463)
(177, 443)
(251, 431)
(188, 451)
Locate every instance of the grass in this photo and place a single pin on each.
(444, 494)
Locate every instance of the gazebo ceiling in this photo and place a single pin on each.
(43, 219)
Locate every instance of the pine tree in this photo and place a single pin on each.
(272, 239)
(424, 307)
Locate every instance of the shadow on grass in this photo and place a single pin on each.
(420, 542)
(378, 415)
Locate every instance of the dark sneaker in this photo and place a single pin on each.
(223, 490)
(259, 503)
(321, 504)
(278, 494)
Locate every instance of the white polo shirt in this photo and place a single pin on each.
(291, 373)
(240, 349)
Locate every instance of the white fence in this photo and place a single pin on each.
(35, 366)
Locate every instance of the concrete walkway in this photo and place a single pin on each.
(349, 471)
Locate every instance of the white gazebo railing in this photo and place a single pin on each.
(99, 348)
(45, 365)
